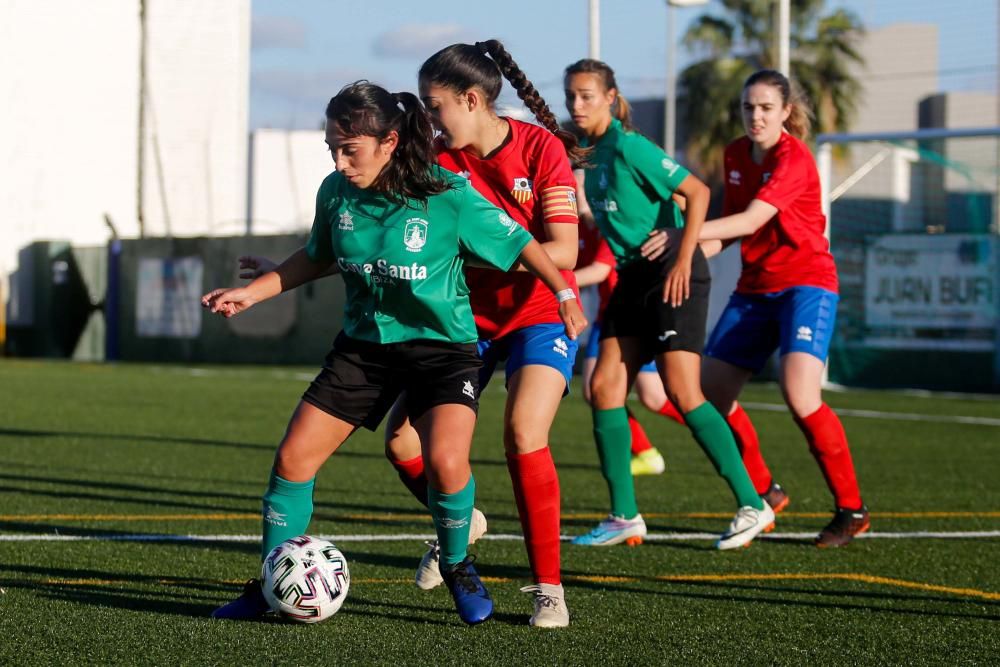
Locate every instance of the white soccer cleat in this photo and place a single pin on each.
(429, 572)
(550, 606)
(747, 524)
(614, 530)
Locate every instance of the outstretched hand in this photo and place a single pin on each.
(572, 316)
(228, 301)
(254, 266)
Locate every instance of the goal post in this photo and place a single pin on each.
(912, 222)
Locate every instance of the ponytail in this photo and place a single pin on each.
(460, 67)
(800, 115)
(364, 109)
(621, 109)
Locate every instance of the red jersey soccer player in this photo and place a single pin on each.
(524, 170)
(786, 297)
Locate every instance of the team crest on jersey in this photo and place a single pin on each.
(522, 190)
(603, 180)
(735, 177)
(415, 234)
(346, 221)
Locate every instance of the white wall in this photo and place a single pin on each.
(287, 167)
(67, 121)
(198, 86)
(70, 115)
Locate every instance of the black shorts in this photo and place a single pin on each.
(636, 308)
(360, 380)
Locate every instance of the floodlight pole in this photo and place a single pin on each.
(670, 94)
(784, 37)
(594, 24)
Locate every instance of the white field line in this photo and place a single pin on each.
(891, 416)
(770, 407)
(652, 537)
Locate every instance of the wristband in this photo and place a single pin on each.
(565, 295)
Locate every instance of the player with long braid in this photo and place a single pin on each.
(523, 169)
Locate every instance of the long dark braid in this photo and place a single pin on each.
(464, 66)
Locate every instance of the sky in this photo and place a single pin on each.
(304, 51)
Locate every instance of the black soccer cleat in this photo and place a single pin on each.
(844, 526)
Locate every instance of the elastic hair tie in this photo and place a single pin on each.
(483, 47)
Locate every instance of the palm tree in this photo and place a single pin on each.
(741, 41)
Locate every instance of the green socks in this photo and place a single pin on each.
(452, 513)
(288, 507)
(614, 446)
(713, 434)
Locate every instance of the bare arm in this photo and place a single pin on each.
(738, 225)
(562, 246)
(294, 271)
(534, 257)
(677, 287)
(592, 274)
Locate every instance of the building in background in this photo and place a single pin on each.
(130, 110)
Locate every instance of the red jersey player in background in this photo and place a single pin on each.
(595, 265)
(524, 170)
(786, 297)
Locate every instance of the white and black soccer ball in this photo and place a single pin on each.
(305, 579)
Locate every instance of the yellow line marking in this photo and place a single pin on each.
(864, 578)
(253, 516)
(667, 578)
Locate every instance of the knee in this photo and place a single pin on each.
(686, 397)
(606, 391)
(290, 466)
(802, 403)
(446, 473)
(524, 439)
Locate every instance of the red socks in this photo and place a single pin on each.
(670, 412)
(536, 491)
(828, 444)
(749, 445)
(640, 441)
(411, 474)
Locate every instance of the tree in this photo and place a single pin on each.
(741, 41)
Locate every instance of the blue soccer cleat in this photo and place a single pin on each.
(472, 600)
(615, 530)
(247, 607)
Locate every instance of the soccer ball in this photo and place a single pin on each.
(305, 579)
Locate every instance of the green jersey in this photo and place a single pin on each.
(403, 264)
(629, 190)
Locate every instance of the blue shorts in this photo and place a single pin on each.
(753, 326)
(538, 344)
(594, 344)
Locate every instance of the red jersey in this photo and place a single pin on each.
(790, 249)
(531, 180)
(595, 250)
